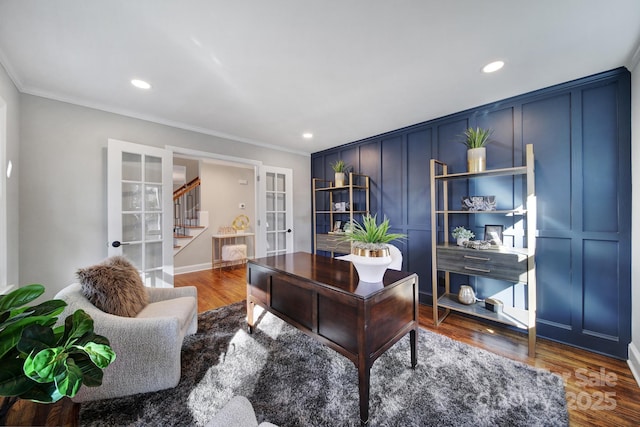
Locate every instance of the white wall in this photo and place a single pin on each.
(634, 347)
(63, 221)
(11, 97)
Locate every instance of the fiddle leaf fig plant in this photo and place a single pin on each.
(42, 362)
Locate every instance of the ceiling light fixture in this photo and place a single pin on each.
(494, 66)
(140, 84)
(307, 135)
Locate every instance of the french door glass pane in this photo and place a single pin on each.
(133, 252)
(153, 169)
(153, 255)
(280, 182)
(131, 197)
(153, 226)
(153, 194)
(131, 167)
(131, 227)
(270, 182)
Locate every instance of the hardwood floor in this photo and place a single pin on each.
(601, 391)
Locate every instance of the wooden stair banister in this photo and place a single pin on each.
(195, 182)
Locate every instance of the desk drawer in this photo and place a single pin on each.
(332, 243)
(511, 266)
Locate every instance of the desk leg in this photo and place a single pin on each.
(364, 376)
(250, 307)
(413, 337)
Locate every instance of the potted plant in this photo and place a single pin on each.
(43, 362)
(369, 251)
(340, 169)
(475, 140)
(462, 235)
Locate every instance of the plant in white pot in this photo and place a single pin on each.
(462, 235)
(475, 140)
(340, 169)
(369, 250)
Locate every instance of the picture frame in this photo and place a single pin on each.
(494, 234)
(337, 226)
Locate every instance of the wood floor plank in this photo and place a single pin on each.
(591, 402)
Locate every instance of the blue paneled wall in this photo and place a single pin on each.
(581, 132)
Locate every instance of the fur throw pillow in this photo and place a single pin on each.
(114, 286)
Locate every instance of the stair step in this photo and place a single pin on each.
(177, 247)
(191, 226)
(180, 236)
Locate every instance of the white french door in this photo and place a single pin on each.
(139, 204)
(277, 194)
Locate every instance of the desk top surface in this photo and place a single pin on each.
(331, 273)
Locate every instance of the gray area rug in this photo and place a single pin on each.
(292, 380)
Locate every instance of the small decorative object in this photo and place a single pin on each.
(477, 244)
(493, 234)
(337, 227)
(369, 251)
(475, 140)
(466, 295)
(347, 227)
(340, 169)
(462, 235)
(494, 305)
(341, 206)
(226, 230)
(42, 363)
(240, 223)
(479, 203)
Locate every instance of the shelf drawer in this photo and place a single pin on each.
(332, 243)
(496, 264)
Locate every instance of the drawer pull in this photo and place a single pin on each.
(482, 270)
(477, 258)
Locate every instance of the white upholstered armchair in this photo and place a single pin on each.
(147, 346)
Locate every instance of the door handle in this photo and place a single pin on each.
(117, 244)
(289, 231)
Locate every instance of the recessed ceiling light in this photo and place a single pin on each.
(307, 135)
(494, 66)
(140, 84)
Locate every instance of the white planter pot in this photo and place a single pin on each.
(339, 178)
(460, 241)
(371, 269)
(476, 159)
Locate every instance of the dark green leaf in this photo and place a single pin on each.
(78, 324)
(44, 393)
(91, 374)
(13, 382)
(10, 335)
(20, 296)
(49, 308)
(69, 380)
(36, 338)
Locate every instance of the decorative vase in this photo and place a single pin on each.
(460, 241)
(370, 264)
(339, 178)
(476, 159)
(466, 295)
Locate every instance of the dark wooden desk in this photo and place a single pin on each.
(323, 298)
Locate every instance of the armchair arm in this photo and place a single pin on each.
(162, 294)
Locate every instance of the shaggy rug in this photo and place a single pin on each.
(292, 380)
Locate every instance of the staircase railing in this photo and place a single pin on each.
(186, 203)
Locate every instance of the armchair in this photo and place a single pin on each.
(147, 346)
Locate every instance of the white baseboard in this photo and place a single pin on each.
(192, 268)
(634, 361)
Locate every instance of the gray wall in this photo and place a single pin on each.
(63, 211)
(11, 96)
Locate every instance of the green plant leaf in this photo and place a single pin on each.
(12, 380)
(44, 365)
(100, 354)
(77, 325)
(68, 381)
(43, 393)
(91, 374)
(10, 336)
(20, 296)
(36, 338)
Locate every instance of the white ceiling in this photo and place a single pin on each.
(265, 71)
